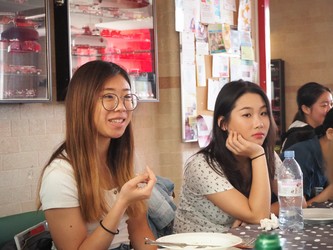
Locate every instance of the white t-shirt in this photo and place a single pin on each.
(59, 190)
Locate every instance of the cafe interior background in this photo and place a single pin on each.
(300, 34)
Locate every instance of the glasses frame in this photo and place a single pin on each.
(118, 101)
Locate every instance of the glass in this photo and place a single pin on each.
(25, 64)
(267, 241)
(110, 101)
(122, 32)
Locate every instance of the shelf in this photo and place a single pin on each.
(278, 102)
(123, 35)
(25, 69)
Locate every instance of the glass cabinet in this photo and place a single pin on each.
(117, 31)
(278, 96)
(24, 51)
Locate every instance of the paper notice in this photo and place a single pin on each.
(204, 125)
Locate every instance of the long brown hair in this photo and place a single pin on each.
(218, 155)
(80, 146)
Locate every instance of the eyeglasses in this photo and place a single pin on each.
(111, 101)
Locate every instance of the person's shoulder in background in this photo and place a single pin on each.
(295, 135)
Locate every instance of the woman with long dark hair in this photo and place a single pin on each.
(230, 180)
(315, 158)
(313, 101)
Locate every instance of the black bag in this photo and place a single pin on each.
(41, 241)
(9, 245)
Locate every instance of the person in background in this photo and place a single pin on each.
(314, 101)
(87, 190)
(315, 156)
(230, 180)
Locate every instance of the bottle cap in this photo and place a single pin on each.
(267, 241)
(289, 154)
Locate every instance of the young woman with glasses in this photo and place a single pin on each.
(87, 190)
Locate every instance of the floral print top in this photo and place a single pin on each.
(195, 213)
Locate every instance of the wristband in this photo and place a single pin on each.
(109, 231)
(257, 156)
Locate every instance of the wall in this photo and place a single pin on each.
(30, 132)
(301, 35)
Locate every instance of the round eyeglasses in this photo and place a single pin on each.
(111, 101)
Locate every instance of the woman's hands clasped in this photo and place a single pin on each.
(239, 146)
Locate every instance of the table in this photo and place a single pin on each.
(313, 236)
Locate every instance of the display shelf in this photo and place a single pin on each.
(122, 33)
(24, 46)
(278, 96)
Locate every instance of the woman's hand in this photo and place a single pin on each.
(238, 223)
(239, 146)
(325, 195)
(138, 188)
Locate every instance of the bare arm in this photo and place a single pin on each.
(275, 205)
(139, 229)
(233, 202)
(326, 194)
(69, 231)
(254, 208)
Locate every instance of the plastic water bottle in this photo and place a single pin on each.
(290, 192)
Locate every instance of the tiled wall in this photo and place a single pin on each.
(301, 35)
(30, 132)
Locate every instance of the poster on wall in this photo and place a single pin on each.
(179, 15)
(214, 87)
(189, 103)
(191, 15)
(207, 12)
(215, 38)
(204, 126)
(188, 90)
(244, 16)
(214, 51)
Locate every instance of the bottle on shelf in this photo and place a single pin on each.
(290, 194)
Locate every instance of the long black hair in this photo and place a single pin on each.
(328, 123)
(307, 95)
(218, 156)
